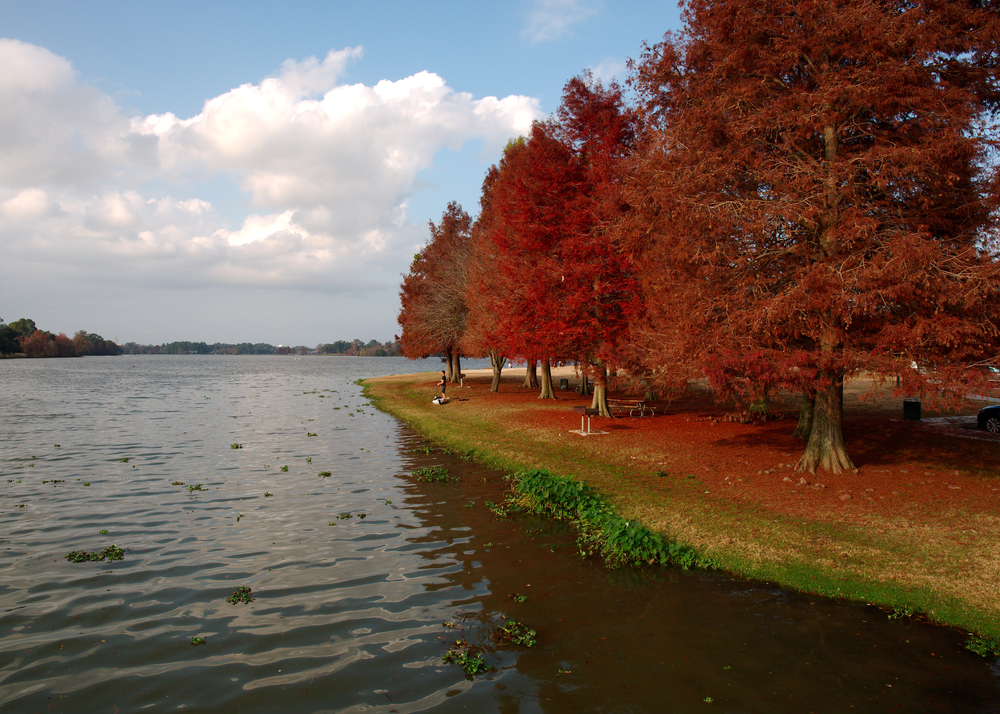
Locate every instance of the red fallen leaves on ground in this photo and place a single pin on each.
(941, 468)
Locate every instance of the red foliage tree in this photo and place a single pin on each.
(82, 344)
(39, 344)
(64, 346)
(484, 291)
(569, 287)
(814, 196)
(433, 310)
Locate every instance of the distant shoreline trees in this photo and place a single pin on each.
(354, 348)
(23, 337)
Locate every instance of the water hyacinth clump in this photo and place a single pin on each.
(111, 553)
(599, 529)
(433, 474)
(241, 594)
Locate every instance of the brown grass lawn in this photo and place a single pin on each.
(918, 526)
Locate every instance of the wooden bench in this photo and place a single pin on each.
(634, 407)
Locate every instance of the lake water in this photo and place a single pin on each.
(364, 578)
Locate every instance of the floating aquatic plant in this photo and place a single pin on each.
(983, 646)
(198, 640)
(436, 474)
(325, 474)
(241, 594)
(111, 553)
(267, 494)
(103, 531)
(309, 433)
(124, 459)
(236, 445)
(599, 529)
(498, 510)
(472, 664)
(196, 487)
(284, 468)
(516, 633)
(177, 483)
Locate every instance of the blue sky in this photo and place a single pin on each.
(261, 171)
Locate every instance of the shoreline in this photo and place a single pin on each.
(924, 549)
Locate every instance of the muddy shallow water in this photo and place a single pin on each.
(362, 579)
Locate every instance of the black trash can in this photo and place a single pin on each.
(911, 410)
(564, 383)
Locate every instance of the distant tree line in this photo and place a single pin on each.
(23, 337)
(357, 348)
(373, 348)
(184, 347)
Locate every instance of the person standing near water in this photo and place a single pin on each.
(443, 383)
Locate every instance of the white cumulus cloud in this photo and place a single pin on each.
(327, 167)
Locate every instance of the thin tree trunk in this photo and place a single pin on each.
(600, 400)
(496, 362)
(825, 448)
(547, 391)
(806, 406)
(531, 375)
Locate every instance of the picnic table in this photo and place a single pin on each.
(634, 407)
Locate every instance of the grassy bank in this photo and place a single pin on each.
(916, 532)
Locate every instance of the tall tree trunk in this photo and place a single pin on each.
(584, 388)
(547, 391)
(449, 367)
(806, 405)
(496, 362)
(531, 375)
(825, 448)
(600, 400)
(456, 365)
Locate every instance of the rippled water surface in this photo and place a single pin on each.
(362, 579)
